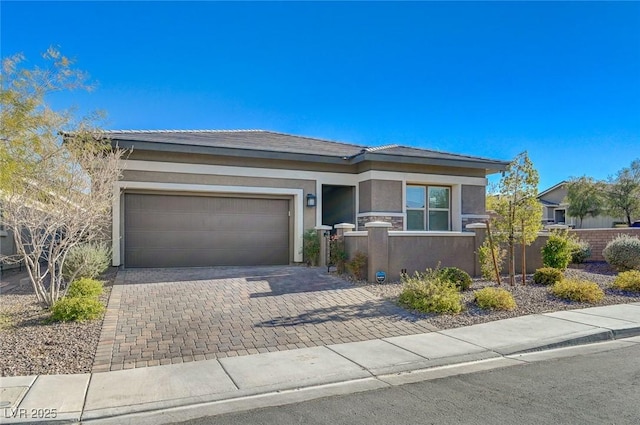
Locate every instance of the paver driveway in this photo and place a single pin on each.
(164, 316)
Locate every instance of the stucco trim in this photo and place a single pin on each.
(428, 233)
(121, 186)
(380, 213)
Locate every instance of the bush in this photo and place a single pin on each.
(85, 287)
(311, 247)
(547, 276)
(76, 309)
(337, 253)
(556, 252)
(578, 290)
(486, 260)
(494, 299)
(623, 253)
(457, 276)
(86, 260)
(580, 250)
(628, 281)
(358, 265)
(430, 294)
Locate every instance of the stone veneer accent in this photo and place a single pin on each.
(397, 223)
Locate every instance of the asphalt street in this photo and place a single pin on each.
(602, 388)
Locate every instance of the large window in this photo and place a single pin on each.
(428, 208)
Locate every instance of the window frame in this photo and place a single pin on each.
(427, 209)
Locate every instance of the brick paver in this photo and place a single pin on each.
(164, 316)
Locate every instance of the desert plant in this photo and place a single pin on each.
(623, 253)
(86, 260)
(311, 247)
(457, 276)
(547, 276)
(427, 293)
(487, 267)
(85, 287)
(337, 253)
(580, 250)
(578, 290)
(357, 266)
(76, 309)
(494, 299)
(556, 252)
(628, 281)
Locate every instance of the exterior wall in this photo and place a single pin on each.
(7, 248)
(473, 199)
(599, 238)
(397, 222)
(599, 222)
(380, 196)
(556, 196)
(421, 169)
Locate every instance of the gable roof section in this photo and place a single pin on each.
(269, 144)
(552, 188)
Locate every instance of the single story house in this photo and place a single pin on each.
(555, 207)
(245, 197)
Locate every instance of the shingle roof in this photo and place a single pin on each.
(269, 142)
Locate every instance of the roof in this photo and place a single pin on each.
(269, 144)
(552, 188)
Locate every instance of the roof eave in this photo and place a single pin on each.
(490, 167)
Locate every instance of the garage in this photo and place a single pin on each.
(163, 230)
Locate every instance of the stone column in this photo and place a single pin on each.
(378, 248)
(324, 241)
(480, 229)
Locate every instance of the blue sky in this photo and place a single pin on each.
(560, 80)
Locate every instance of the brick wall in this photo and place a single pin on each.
(599, 238)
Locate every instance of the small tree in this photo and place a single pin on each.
(584, 197)
(519, 216)
(623, 193)
(56, 175)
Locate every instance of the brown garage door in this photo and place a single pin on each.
(190, 231)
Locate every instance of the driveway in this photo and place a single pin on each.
(164, 316)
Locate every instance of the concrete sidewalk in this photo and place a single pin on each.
(173, 393)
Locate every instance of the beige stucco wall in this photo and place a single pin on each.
(557, 195)
(420, 169)
(473, 199)
(380, 196)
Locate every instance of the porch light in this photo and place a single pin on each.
(311, 200)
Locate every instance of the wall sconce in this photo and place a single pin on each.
(311, 200)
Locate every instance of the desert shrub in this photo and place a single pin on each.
(556, 252)
(623, 253)
(486, 261)
(428, 293)
(494, 299)
(76, 309)
(628, 281)
(547, 276)
(85, 287)
(311, 247)
(357, 266)
(86, 260)
(580, 250)
(457, 276)
(578, 290)
(337, 253)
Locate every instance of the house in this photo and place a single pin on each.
(7, 247)
(555, 206)
(245, 197)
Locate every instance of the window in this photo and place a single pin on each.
(428, 208)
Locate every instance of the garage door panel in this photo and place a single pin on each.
(178, 231)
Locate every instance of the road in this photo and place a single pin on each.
(602, 388)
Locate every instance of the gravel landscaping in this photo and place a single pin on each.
(30, 345)
(531, 298)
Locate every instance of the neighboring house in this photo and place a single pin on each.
(245, 197)
(555, 208)
(7, 246)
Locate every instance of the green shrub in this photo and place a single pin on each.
(457, 276)
(623, 253)
(580, 250)
(494, 299)
(86, 260)
(337, 253)
(556, 252)
(628, 281)
(578, 290)
(85, 287)
(311, 247)
(357, 266)
(487, 267)
(429, 294)
(76, 309)
(547, 276)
